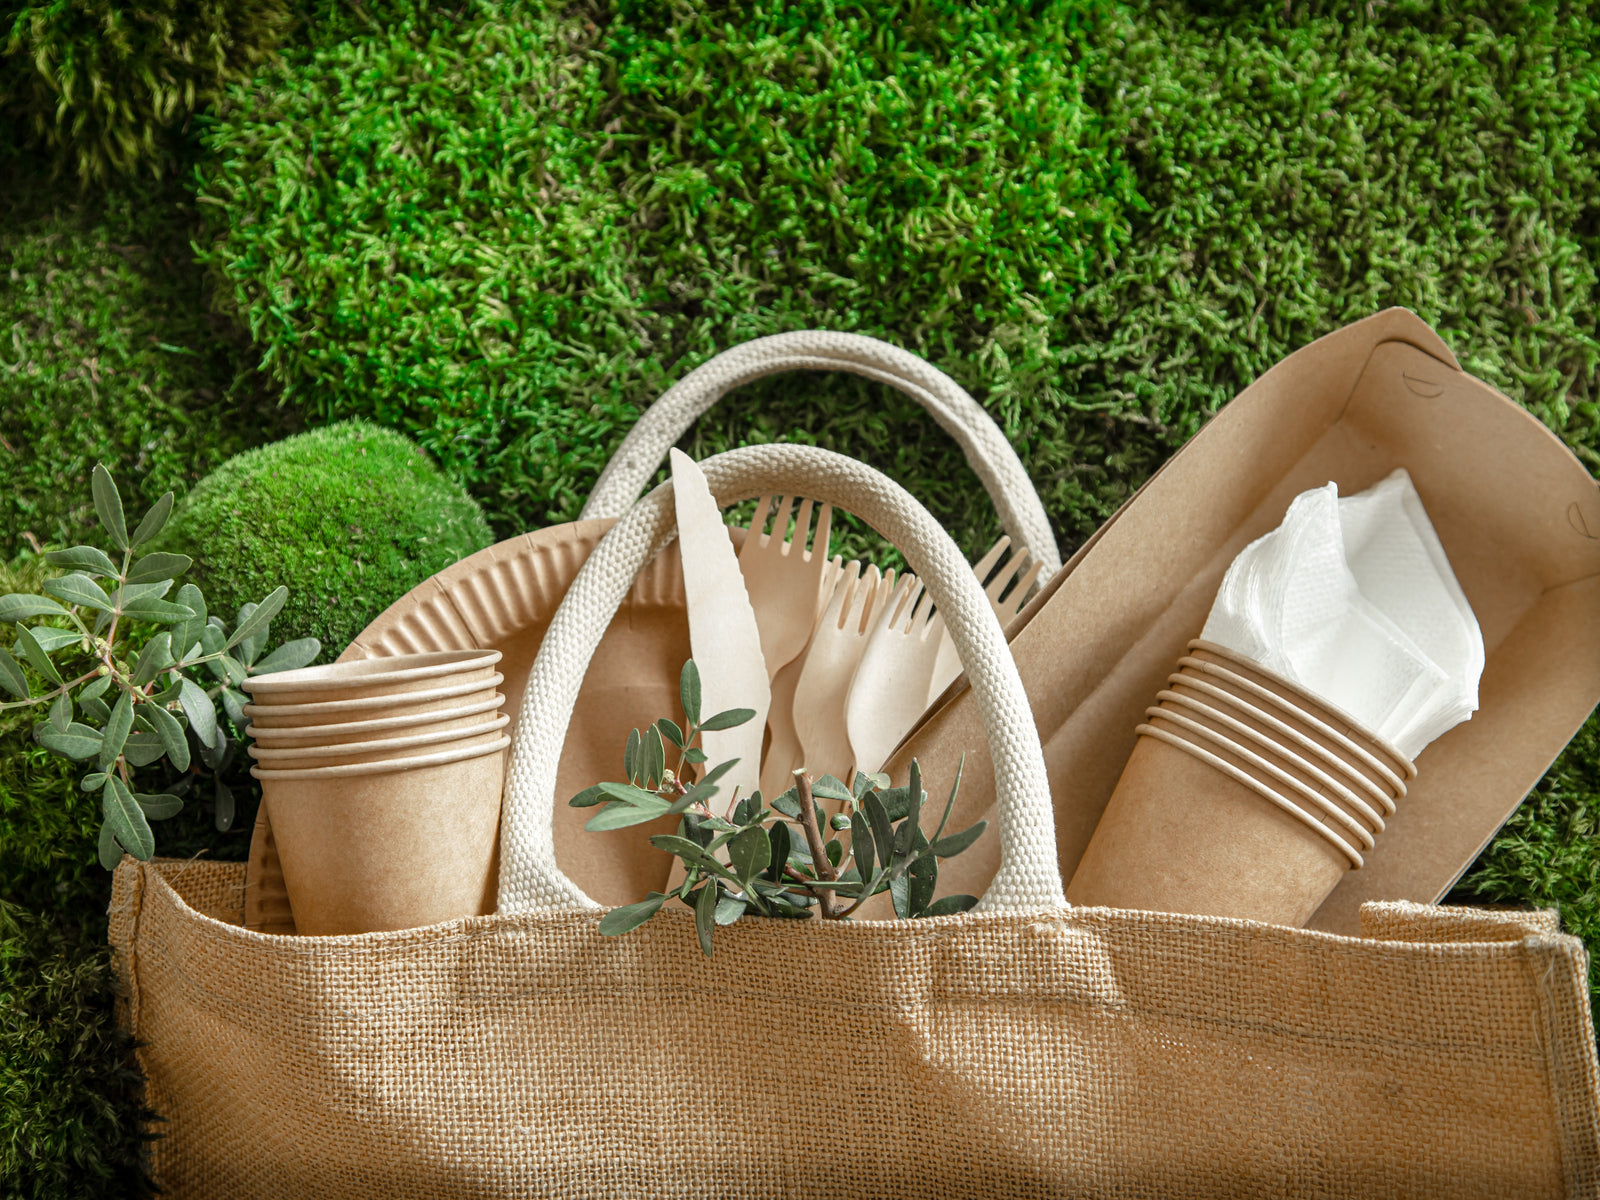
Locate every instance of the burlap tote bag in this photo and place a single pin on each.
(1024, 1049)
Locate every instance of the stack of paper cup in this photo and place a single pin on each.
(382, 778)
(1245, 796)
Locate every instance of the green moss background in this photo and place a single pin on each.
(102, 84)
(109, 353)
(502, 228)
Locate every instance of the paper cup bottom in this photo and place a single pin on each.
(1179, 836)
(389, 851)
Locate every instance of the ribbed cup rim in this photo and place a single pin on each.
(1361, 753)
(314, 708)
(267, 755)
(1358, 778)
(1217, 762)
(1405, 764)
(376, 725)
(1360, 811)
(388, 767)
(1255, 764)
(398, 669)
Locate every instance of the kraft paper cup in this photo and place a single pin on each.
(349, 732)
(330, 712)
(370, 677)
(487, 729)
(381, 846)
(1244, 797)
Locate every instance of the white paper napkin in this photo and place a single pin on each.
(1354, 600)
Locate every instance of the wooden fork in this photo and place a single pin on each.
(784, 578)
(830, 664)
(1005, 605)
(890, 689)
(783, 748)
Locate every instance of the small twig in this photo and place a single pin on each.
(819, 851)
(49, 696)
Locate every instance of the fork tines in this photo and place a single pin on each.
(802, 526)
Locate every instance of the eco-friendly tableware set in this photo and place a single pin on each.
(511, 1048)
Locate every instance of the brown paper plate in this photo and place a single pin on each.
(503, 598)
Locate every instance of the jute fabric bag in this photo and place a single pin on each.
(1027, 1049)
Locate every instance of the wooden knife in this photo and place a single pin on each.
(723, 635)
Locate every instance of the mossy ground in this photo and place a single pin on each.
(503, 227)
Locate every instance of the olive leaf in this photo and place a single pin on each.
(259, 617)
(77, 742)
(223, 809)
(18, 606)
(198, 708)
(290, 656)
(127, 819)
(157, 654)
(705, 916)
(79, 589)
(110, 851)
(37, 658)
(689, 692)
(11, 676)
(82, 558)
(61, 712)
(116, 733)
(160, 806)
(731, 719)
(51, 640)
(171, 734)
(631, 916)
(108, 506)
(141, 749)
(148, 608)
(750, 852)
(152, 524)
(158, 566)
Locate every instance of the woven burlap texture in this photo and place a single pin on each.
(529, 875)
(990, 455)
(1085, 1053)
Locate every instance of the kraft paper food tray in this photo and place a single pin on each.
(1517, 513)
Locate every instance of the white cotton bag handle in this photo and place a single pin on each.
(1029, 877)
(988, 452)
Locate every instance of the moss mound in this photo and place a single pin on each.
(349, 517)
(101, 81)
